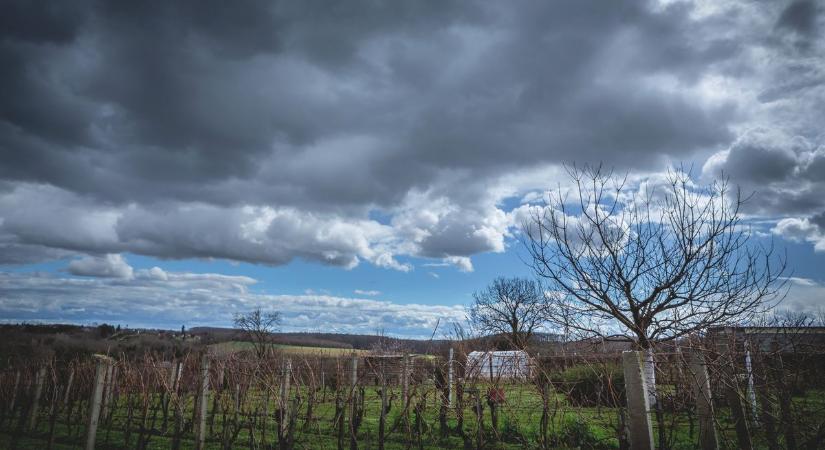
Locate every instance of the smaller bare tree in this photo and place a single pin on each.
(515, 307)
(258, 326)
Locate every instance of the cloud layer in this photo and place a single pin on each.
(383, 132)
(270, 132)
(158, 298)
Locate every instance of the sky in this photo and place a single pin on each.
(365, 166)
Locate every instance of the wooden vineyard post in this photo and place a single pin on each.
(203, 403)
(108, 386)
(405, 380)
(751, 390)
(450, 379)
(103, 364)
(382, 419)
(737, 408)
(284, 401)
(68, 387)
(13, 401)
(640, 429)
(353, 401)
(38, 391)
(354, 374)
(708, 439)
(785, 411)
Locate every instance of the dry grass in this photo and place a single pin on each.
(225, 348)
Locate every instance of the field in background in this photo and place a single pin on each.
(226, 348)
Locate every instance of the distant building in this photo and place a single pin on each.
(499, 364)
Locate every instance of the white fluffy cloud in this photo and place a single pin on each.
(423, 225)
(106, 266)
(801, 229)
(37, 215)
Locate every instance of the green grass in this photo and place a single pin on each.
(518, 420)
(518, 427)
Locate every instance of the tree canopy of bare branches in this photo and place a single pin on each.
(653, 262)
(514, 307)
(258, 327)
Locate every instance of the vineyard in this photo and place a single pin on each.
(705, 397)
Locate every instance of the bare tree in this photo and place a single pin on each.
(259, 327)
(514, 307)
(652, 263)
(386, 345)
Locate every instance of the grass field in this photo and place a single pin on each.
(225, 348)
(518, 424)
(518, 420)
(243, 409)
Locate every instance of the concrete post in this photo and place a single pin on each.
(221, 376)
(751, 391)
(650, 376)
(237, 396)
(13, 400)
(103, 364)
(737, 409)
(354, 375)
(708, 440)
(382, 418)
(638, 414)
(38, 391)
(353, 399)
(284, 397)
(172, 366)
(68, 388)
(108, 385)
(405, 379)
(450, 379)
(203, 403)
(178, 375)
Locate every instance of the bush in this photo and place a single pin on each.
(591, 385)
(577, 433)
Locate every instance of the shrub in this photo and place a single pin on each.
(577, 433)
(591, 385)
(510, 431)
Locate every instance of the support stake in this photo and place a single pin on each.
(203, 403)
(708, 439)
(103, 365)
(639, 426)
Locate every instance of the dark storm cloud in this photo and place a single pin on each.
(170, 94)
(799, 16)
(269, 130)
(41, 22)
(17, 254)
(783, 171)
